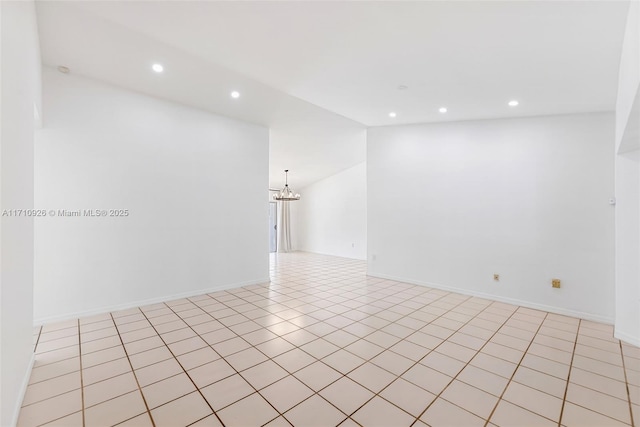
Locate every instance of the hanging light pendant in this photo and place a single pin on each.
(286, 194)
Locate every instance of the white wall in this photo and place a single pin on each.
(19, 93)
(627, 322)
(451, 204)
(192, 181)
(332, 215)
(629, 75)
(627, 165)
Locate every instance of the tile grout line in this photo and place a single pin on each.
(566, 388)
(255, 347)
(192, 302)
(442, 296)
(97, 364)
(182, 367)
(416, 362)
(134, 374)
(466, 364)
(524, 354)
(428, 290)
(626, 381)
(81, 374)
(588, 387)
(297, 294)
(343, 375)
(228, 327)
(76, 327)
(600, 361)
(446, 293)
(369, 361)
(414, 311)
(225, 327)
(251, 346)
(81, 388)
(221, 357)
(294, 345)
(35, 346)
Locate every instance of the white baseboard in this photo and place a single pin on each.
(140, 303)
(514, 301)
(23, 390)
(626, 337)
(307, 251)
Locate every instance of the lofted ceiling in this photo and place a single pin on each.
(318, 73)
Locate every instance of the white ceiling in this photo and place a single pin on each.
(316, 72)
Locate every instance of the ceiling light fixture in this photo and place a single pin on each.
(442, 109)
(392, 114)
(158, 68)
(286, 194)
(513, 103)
(63, 69)
(235, 94)
(403, 87)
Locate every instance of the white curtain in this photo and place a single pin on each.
(284, 227)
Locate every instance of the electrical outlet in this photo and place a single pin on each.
(496, 277)
(555, 283)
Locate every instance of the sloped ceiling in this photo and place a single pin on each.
(318, 73)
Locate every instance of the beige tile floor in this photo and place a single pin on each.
(325, 345)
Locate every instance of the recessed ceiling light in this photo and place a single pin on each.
(158, 68)
(63, 69)
(403, 87)
(513, 103)
(392, 114)
(235, 94)
(442, 109)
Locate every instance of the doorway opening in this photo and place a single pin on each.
(273, 227)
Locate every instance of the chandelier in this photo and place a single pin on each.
(286, 194)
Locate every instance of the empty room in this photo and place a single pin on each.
(320, 213)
